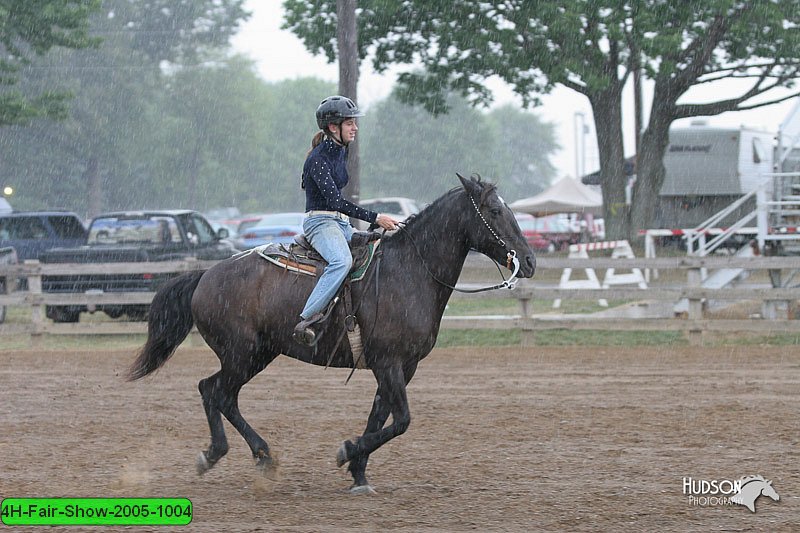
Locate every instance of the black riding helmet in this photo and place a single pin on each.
(334, 110)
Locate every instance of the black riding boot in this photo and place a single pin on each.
(304, 333)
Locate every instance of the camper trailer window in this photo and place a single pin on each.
(758, 150)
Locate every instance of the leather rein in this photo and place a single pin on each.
(511, 259)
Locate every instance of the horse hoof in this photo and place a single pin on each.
(268, 468)
(203, 464)
(341, 456)
(362, 489)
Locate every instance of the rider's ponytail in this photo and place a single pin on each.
(314, 143)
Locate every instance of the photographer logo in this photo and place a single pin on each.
(744, 491)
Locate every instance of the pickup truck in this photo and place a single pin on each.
(132, 237)
(32, 232)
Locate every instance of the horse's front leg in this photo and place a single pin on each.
(389, 399)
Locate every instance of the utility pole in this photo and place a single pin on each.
(347, 44)
(637, 106)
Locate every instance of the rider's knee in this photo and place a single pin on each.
(345, 262)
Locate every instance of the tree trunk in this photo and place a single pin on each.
(347, 42)
(194, 172)
(94, 187)
(650, 173)
(607, 112)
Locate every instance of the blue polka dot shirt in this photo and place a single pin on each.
(324, 177)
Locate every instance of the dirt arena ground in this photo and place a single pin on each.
(512, 439)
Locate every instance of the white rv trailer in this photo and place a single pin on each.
(707, 169)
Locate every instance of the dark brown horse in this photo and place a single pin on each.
(245, 309)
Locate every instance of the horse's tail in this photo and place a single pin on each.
(169, 324)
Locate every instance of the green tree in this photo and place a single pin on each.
(522, 148)
(290, 127)
(102, 155)
(237, 140)
(590, 46)
(30, 28)
(409, 152)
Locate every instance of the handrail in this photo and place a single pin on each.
(695, 234)
(717, 240)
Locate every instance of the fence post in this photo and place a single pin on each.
(775, 309)
(694, 278)
(527, 333)
(37, 309)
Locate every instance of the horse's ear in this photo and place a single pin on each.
(468, 184)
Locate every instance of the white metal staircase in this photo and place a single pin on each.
(777, 216)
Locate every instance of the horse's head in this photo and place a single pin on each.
(492, 229)
(769, 491)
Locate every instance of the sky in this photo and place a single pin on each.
(280, 55)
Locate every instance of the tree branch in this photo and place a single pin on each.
(703, 49)
(577, 87)
(716, 108)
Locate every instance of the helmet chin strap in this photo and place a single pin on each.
(340, 140)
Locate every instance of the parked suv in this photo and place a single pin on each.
(31, 233)
(397, 207)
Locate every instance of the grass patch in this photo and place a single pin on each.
(743, 339)
(449, 338)
(72, 342)
(559, 337)
(508, 306)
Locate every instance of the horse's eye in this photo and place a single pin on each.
(495, 211)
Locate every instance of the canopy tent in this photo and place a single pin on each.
(565, 196)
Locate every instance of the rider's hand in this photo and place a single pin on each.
(386, 222)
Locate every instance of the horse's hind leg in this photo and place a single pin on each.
(219, 443)
(221, 396)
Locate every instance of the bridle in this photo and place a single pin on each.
(511, 256)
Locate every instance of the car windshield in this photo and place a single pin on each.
(527, 224)
(130, 230)
(67, 227)
(549, 224)
(552, 225)
(389, 206)
(281, 219)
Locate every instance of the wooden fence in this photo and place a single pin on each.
(692, 322)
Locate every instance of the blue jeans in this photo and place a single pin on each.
(330, 236)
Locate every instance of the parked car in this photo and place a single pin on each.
(222, 214)
(31, 233)
(548, 233)
(5, 207)
(248, 221)
(397, 207)
(278, 228)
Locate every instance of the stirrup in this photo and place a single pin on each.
(304, 333)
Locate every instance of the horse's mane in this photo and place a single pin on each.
(434, 207)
